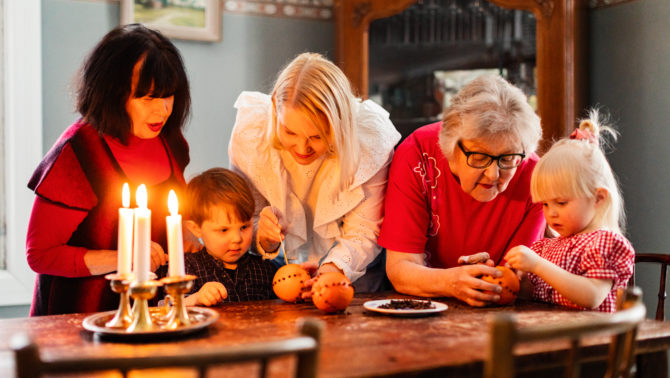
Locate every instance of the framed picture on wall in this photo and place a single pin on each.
(182, 19)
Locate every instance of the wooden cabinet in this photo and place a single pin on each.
(561, 37)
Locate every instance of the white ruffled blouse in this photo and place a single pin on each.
(345, 224)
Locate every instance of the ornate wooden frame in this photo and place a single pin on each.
(561, 60)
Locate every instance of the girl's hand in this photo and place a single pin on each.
(269, 233)
(464, 283)
(523, 258)
(158, 256)
(210, 294)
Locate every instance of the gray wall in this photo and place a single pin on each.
(630, 77)
(252, 51)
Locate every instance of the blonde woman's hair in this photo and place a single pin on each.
(315, 86)
(576, 168)
(495, 109)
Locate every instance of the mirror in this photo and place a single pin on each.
(561, 43)
(421, 57)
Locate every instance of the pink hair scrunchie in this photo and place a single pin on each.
(580, 134)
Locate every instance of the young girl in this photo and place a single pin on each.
(591, 259)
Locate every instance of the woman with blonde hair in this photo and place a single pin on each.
(317, 158)
(461, 187)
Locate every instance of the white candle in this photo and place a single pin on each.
(174, 237)
(142, 245)
(125, 242)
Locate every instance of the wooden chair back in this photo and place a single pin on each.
(622, 325)
(663, 261)
(29, 364)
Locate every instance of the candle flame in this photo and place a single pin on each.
(173, 204)
(141, 196)
(125, 195)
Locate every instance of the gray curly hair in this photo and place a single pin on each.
(495, 109)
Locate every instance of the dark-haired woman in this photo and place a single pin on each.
(134, 99)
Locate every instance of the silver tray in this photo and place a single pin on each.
(200, 318)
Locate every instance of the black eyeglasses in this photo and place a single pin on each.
(481, 160)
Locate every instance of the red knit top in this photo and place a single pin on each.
(78, 187)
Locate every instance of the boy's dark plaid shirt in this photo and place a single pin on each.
(252, 280)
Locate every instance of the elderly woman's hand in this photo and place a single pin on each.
(464, 283)
(409, 275)
(269, 233)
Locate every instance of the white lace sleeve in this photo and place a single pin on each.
(356, 246)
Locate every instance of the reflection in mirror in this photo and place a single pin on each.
(421, 57)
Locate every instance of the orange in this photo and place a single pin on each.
(509, 283)
(288, 281)
(332, 292)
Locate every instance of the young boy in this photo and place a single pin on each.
(220, 208)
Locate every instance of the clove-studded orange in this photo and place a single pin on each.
(332, 292)
(288, 282)
(509, 283)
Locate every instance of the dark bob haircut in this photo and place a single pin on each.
(106, 76)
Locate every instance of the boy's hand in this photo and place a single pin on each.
(210, 294)
(523, 258)
(269, 232)
(158, 256)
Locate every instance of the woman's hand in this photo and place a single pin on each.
(269, 232)
(210, 294)
(314, 271)
(158, 256)
(100, 261)
(465, 283)
(191, 242)
(523, 258)
(409, 275)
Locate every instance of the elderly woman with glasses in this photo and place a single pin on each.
(459, 188)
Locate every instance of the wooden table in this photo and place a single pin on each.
(354, 343)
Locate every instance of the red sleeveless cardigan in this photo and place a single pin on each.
(80, 172)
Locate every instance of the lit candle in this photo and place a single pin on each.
(174, 237)
(125, 243)
(142, 245)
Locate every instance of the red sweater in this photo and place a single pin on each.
(78, 187)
